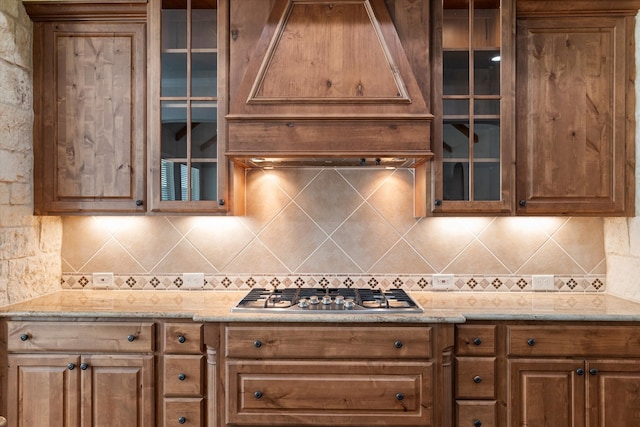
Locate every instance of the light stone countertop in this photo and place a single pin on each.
(439, 307)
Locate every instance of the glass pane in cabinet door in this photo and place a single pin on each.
(204, 180)
(455, 167)
(487, 107)
(174, 180)
(455, 139)
(486, 24)
(486, 72)
(174, 74)
(455, 25)
(204, 72)
(204, 131)
(174, 129)
(204, 25)
(174, 25)
(455, 72)
(455, 107)
(486, 166)
(455, 180)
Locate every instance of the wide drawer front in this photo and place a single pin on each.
(113, 337)
(346, 393)
(334, 342)
(586, 341)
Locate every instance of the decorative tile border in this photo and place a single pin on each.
(476, 283)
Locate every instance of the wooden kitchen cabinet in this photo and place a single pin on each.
(575, 108)
(290, 375)
(89, 103)
(565, 375)
(80, 374)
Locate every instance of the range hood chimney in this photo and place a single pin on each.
(328, 84)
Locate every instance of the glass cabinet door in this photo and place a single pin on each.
(472, 125)
(186, 160)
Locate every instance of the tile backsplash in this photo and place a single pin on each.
(334, 227)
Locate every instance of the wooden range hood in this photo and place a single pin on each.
(328, 83)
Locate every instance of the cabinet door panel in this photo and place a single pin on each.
(45, 392)
(89, 153)
(117, 391)
(546, 393)
(571, 116)
(613, 393)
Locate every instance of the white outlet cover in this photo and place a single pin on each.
(442, 282)
(192, 281)
(102, 280)
(543, 282)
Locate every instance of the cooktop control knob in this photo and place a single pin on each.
(303, 303)
(326, 300)
(313, 299)
(349, 304)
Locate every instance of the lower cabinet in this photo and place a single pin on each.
(62, 374)
(333, 375)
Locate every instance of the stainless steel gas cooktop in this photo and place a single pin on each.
(330, 300)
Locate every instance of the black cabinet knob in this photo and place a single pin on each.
(257, 394)
(257, 343)
(182, 420)
(593, 371)
(182, 377)
(84, 366)
(24, 337)
(477, 379)
(477, 423)
(400, 396)
(221, 202)
(477, 341)
(580, 371)
(131, 338)
(437, 202)
(139, 203)
(522, 203)
(531, 342)
(71, 366)
(181, 339)
(398, 344)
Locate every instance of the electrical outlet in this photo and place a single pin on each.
(543, 282)
(442, 282)
(192, 281)
(102, 280)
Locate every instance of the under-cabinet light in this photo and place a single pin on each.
(496, 58)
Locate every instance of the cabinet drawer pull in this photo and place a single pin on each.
(477, 379)
(593, 371)
(400, 396)
(257, 343)
(71, 366)
(181, 339)
(182, 420)
(131, 338)
(24, 337)
(84, 366)
(477, 423)
(477, 341)
(531, 342)
(257, 394)
(580, 371)
(398, 344)
(182, 377)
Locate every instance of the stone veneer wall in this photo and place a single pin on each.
(30, 246)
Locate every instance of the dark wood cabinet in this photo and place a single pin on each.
(90, 115)
(575, 108)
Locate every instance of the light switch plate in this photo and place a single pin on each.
(102, 280)
(543, 282)
(192, 281)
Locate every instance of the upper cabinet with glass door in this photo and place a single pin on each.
(473, 106)
(186, 172)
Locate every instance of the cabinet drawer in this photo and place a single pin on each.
(183, 375)
(332, 342)
(476, 413)
(475, 377)
(476, 340)
(346, 393)
(183, 412)
(183, 338)
(575, 341)
(114, 337)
